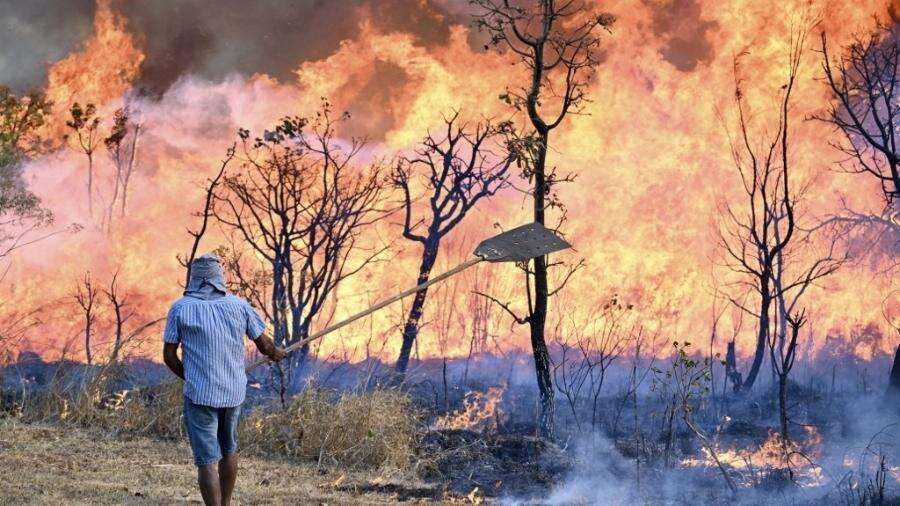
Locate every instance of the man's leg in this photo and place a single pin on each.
(228, 468)
(227, 435)
(202, 424)
(208, 479)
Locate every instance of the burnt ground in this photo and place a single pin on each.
(495, 464)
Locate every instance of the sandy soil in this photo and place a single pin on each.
(44, 464)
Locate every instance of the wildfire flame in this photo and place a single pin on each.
(479, 411)
(797, 458)
(650, 154)
(100, 72)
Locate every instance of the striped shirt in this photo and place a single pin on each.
(211, 333)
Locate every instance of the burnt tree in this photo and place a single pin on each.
(301, 202)
(204, 215)
(865, 88)
(777, 258)
(86, 297)
(558, 42)
(453, 172)
(120, 305)
(754, 236)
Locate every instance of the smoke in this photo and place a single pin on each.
(842, 460)
(598, 478)
(184, 37)
(685, 33)
(37, 32)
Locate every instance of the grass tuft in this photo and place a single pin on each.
(370, 430)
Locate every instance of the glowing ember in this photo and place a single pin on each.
(480, 410)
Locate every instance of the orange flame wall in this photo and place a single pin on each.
(651, 157)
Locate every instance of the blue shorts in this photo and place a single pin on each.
(212, 431)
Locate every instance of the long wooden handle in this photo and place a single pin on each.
(456, 270)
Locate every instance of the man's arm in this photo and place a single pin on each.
(170, 357)
(265, 346)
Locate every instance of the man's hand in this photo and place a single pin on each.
(278, 354)
(265, 346)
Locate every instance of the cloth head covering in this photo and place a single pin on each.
(207, 278)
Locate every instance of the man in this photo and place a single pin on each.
(210, 326)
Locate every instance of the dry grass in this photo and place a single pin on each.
(370, 430)
(52, 465)
(155, 411)
(91, 444)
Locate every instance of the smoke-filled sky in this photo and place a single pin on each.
(650, 151)
(272, 37)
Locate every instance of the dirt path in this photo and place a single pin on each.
(49, 465)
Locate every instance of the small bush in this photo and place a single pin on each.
(370, 430)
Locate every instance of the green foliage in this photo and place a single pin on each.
(20, 118)
(687, 379)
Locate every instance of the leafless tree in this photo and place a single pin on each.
(863, 81)
(797, 268)
(571, 369)
(453, 170)
(783, 350)
(122, 314)
(301, 203)
(86, 126)
(753, 237)
(587, 348)
(558, 43)
(204, 215)
(609, 335)
(86, 297)
(864, 85)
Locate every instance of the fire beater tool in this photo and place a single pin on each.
(516, 245)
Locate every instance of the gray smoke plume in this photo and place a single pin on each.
(36, 32)
(209, 40)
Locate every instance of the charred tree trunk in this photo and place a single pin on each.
(782, 406)
(299, 331)
(279, 302)
(762, 333)
(87, 343)
(731, 370)
(411, 328)
(538, 317)
(893, 389)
